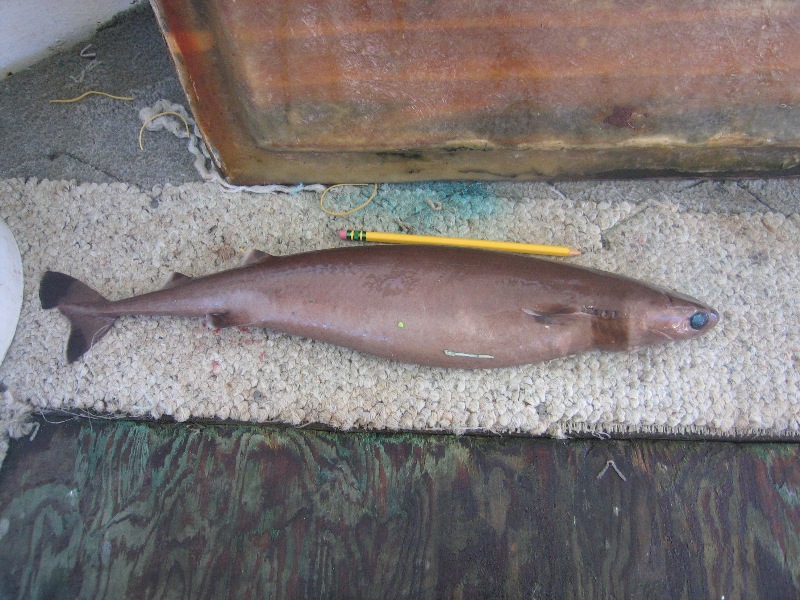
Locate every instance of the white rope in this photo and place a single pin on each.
(202, 161)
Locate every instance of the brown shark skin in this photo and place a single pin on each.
(441, 307)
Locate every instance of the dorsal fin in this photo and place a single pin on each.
(175, 279)
(254, 256)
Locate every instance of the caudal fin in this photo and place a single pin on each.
(67, 294)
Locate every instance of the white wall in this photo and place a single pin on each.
(33, 29)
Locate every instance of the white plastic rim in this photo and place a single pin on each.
(10, 288)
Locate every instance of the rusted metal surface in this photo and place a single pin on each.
(351, 90)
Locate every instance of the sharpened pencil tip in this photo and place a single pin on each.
(573, 252)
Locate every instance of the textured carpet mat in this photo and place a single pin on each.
(740, 379)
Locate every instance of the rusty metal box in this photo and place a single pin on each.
(380, 90)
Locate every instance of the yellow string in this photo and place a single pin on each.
(352, 210)
(154, 117)
(89, 93)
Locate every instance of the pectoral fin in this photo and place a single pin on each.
(564, 315)
(558, 316)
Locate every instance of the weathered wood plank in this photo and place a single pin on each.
(349, 90)
(116, 510)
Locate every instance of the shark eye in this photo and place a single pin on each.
(698, 320)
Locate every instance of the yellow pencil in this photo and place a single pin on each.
(403, 238)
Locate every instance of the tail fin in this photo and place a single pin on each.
(65, 293)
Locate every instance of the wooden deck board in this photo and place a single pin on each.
(143, 510)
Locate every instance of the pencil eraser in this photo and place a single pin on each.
(343, 234)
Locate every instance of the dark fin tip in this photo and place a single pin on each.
(76, 346)
(86, 331)
(54, 287)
